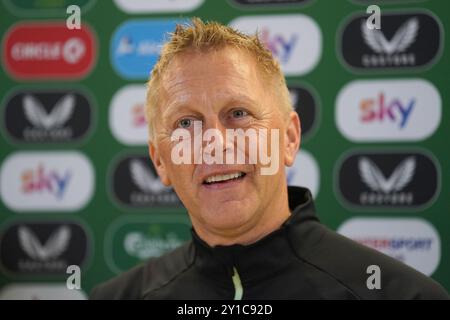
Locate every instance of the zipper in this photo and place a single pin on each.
(238, 289)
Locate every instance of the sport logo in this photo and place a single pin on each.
(413, 241)
(388, 110)
(43, 247)
(407, 40)
(48, 116)
(295, 40)
(136, 184)
(388, 179)
(46, 181)
(48, 50)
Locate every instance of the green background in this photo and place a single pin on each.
(326, 144)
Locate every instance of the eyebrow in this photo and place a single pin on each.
(173, 106)
(242, 98)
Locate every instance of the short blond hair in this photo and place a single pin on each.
(200, 36)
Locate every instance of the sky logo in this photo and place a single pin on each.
(135, 46)
(294, 39)
(379, 109)
(388, 110)
(280, 46)
(37, 181)
(138, 115)
(55, 181)
(127, 115)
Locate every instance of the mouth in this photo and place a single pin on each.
(224, 179)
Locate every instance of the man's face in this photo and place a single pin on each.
(223, 90)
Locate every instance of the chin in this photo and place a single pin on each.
(230, 216)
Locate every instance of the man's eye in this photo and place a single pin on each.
(239, 113)
(185, 123)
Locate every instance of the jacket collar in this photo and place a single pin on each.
(263, 258)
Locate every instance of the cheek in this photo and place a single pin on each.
(181, 175)
(275, 139)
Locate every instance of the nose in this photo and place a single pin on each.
(214, 136)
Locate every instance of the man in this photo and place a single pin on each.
(253, 237)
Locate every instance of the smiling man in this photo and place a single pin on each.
(252, 237)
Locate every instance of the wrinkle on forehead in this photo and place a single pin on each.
(200, 77)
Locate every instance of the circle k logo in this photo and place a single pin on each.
(48, 50)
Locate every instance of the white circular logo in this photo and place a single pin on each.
(73, 50)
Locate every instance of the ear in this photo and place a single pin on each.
(158, 163)
(292, 138)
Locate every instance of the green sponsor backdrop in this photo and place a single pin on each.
(133, 239)
(158, 229)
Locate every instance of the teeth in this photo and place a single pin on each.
(224, 177)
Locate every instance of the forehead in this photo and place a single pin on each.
(211, 74)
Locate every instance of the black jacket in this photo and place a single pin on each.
(301, 260)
